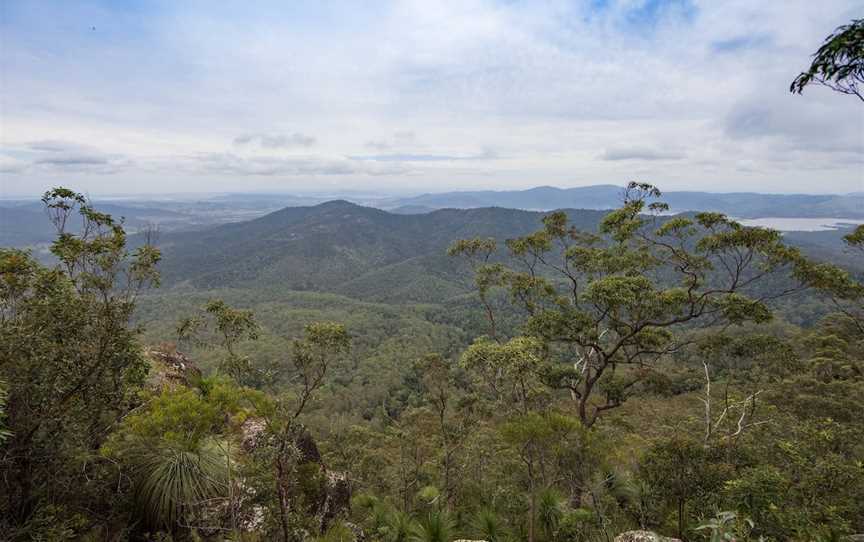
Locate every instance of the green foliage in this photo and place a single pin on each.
(579, 415)
(399, 527)
(551, 509)
(488, 525)
(510, 372)
(727, 527)
(176, 451)
(230, 326)
(684, 475)
(435, 527)
(856, 238)
(617, 299)
(69, 356)
(839, 62)
(337, 533)
(174, 486)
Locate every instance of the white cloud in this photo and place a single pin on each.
(275, 141)
(641, 153)
(687, 95)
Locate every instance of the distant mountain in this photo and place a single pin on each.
(26, 223)
(342, 248)
(740, 204)
(22, 226)
(411, 210)
(363, 252)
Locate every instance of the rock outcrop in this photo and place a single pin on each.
(328, 492)
(171, 369)
(643, 536)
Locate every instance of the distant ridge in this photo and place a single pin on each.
(738, 204)
(344, 248)
(362, 252)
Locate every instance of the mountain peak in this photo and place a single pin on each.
(337, 204)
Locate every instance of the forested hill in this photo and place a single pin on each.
(361, 252)
(344, 248)
(741, 204)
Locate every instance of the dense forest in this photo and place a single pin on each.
(341, 373)
(634, 370)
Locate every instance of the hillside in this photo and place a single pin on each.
(26, 224)
(741, 204)
(366, 253)
(343, 248)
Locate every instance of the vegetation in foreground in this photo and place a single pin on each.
(630, 378)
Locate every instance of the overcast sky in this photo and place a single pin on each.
(412, 96)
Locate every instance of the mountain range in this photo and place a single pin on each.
(23, 223)
(344, 248)
(366, 253)
(738, 204)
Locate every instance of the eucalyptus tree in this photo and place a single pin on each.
(323, 345)
(69, 357)
(839, 63)
(230, 326)
(602, 307)
(456, 417)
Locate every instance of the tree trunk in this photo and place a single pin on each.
(532, 512)
(283, 498)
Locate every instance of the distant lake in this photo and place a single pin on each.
(802, 224)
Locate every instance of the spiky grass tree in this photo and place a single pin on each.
(436, 527)
(550, 511)
(173, 485)
(489, 526)
(399, 526)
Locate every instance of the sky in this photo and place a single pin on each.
(126, 97)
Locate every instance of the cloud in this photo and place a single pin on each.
(66, 159)
(55, 145)
(9, 164)
(399, 138)
(59, 156)
(739, 43)
(404, 136)
(685, 90)
(640, 153)
(378, 145)
(409, 157)
(276, 141)
(267, 166)
(792, 126)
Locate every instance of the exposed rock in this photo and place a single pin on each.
(329, 496)
(356, 530)
(171, 369)
(252, 430)
(338, 497)
(643, 536)
(308, 449)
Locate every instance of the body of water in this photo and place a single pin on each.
(801, 224)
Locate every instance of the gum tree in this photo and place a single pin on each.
(69, 357)
(839, 63)
(607, 305)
